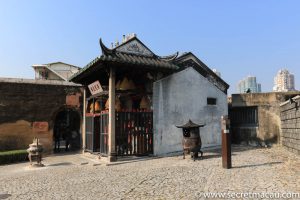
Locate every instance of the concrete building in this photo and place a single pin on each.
(255, 118)
(258, 87)
(54, 71)
(284, 81)
(249, 85)
(144, 96)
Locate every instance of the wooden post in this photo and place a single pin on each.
(226, 143)
(112, 118)
(83, 128)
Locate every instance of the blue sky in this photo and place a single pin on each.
(238, 38)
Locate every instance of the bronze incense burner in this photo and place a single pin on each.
(35, 150)
(191, 141)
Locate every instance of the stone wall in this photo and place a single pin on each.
(290, 125)
(268, 127)
(180, 97)
(28, 109)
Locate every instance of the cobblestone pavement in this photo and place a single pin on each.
(254, 170)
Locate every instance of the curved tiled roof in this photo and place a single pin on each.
(113, 56)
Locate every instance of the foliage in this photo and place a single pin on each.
(13, 156)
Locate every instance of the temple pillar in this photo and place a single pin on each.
(112, 116)
(83, 128)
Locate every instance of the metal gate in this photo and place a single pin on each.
(134, 133)
(103, 139)
(92, 133)
(243, 123)
(89, 130)
(243, 116)
(97, 133)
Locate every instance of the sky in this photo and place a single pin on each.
(238, 38)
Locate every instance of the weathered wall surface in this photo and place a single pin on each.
(268, 108)
(290, 124)
(24, 105)
(180, 97)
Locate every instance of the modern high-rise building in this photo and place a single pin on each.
(249, 85)
(284, 81)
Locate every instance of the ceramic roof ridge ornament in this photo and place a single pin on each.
(136, 47)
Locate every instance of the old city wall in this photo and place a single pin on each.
(28, 110)
(290, 124)
(268, 108)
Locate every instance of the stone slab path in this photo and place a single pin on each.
(77, 177)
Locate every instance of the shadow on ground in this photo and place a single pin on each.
(257, 165)
(4, 196)
(210, 156)
(64, 153)
(60, 164)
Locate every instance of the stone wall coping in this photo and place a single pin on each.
(286, 102)
(39, 82)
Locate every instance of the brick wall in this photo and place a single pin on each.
(290, 125)
(24, 105)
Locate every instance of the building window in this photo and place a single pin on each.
(211, 101)
(44, 74)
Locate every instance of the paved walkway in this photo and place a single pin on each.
(77, 177)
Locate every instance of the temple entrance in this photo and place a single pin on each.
(66, 131)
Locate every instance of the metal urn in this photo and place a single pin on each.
(191, 141)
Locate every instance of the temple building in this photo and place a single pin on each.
(134, 98)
